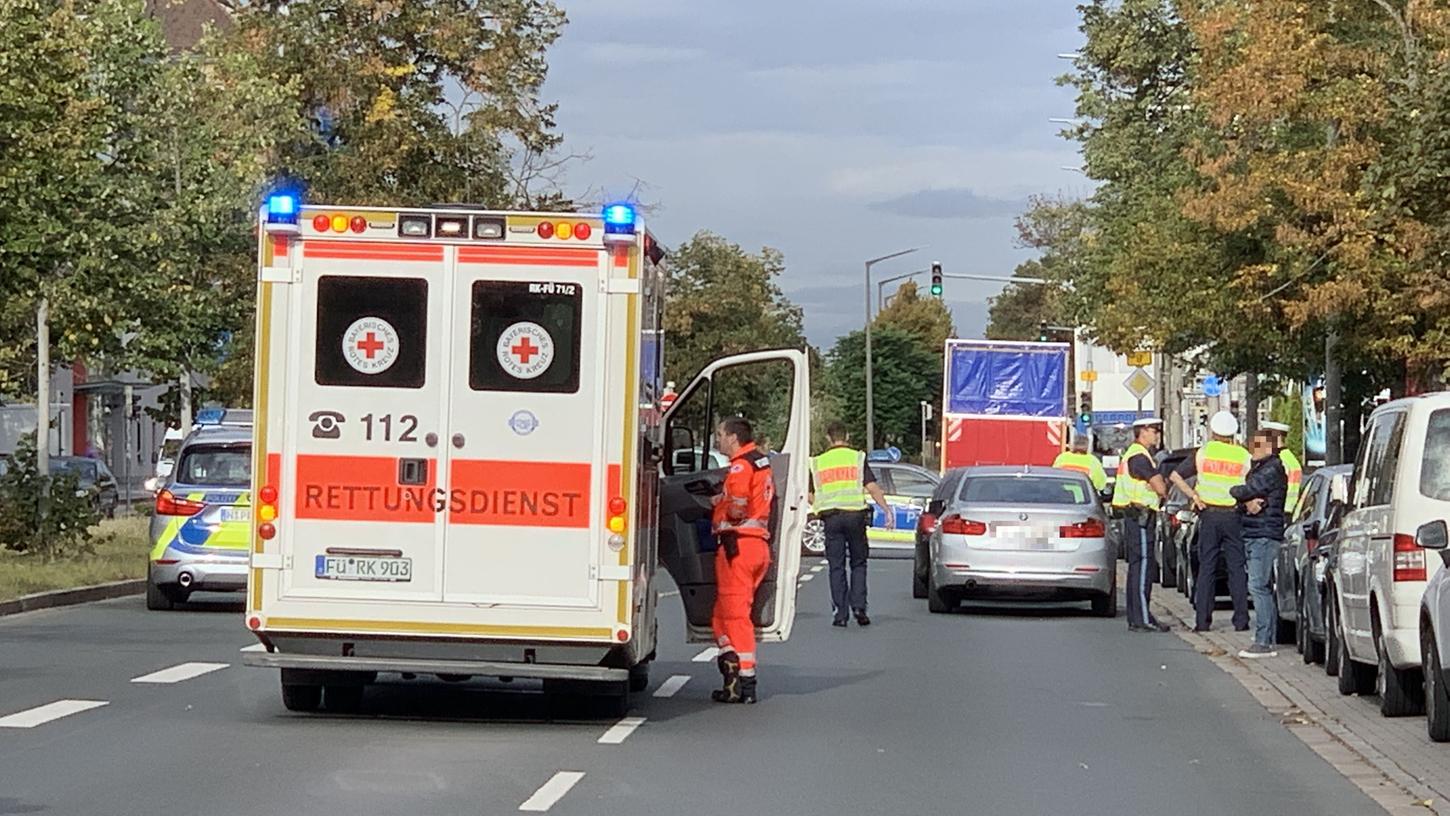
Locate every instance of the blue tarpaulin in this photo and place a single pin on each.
(1008, 381)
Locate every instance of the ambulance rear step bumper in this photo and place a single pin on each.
(484, 668)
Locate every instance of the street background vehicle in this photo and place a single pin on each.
(94, 479)
(908, 488)
(201, 526)
(1021, 532)
(1005, 403)
(1298, 571)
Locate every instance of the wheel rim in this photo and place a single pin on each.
(1381, 677)
(1427, 665)
(813, 538)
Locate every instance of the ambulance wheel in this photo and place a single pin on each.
(344, 698)
(639, 677)
(301, 698)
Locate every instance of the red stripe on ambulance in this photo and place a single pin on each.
(529, 257)
(362, 488)
(371, 251)
(519, 494)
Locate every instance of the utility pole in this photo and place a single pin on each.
(870, 385)
(1251, 405)
(1333, 399)
(42, 393)
(185, 401)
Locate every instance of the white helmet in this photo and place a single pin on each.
(1223, 424)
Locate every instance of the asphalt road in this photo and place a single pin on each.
(992, 710)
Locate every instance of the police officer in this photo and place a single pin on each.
(1221, 465)
(1138, 493)
(741, 521)
(1080, 460)
(840, 482)
(1278, 433)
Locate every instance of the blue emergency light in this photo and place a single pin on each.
(283, 209)
(210, 416)
(620, 221)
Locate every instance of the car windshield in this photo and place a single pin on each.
(1025, 490)
(83, 471)
(1435, 464)
(224, 467)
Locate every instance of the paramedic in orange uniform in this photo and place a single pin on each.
(742, 530)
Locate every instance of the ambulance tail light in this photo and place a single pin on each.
(170, 504)
(618, 522)
(267, 512)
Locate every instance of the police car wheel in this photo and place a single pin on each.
(157, 599)
(813, 537)
(301, 698)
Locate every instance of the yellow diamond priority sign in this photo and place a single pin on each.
(1139, 384)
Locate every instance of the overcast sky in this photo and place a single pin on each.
(833, 131)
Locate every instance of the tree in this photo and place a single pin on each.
(926, 319)
(905, 372)
(1057, 229)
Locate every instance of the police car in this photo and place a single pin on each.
(201, 529)
(463, 461)
(907, 487)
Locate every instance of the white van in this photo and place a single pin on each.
(1379, 573)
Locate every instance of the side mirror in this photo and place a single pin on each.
(936, 507)
(682, 441)
(1311, 529)
(1433, 535)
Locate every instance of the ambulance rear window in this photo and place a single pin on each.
(371, 332)
(525, 336)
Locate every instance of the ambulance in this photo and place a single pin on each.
(462, 467)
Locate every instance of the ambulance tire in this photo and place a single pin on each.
(639, 677)
(343, 698)
(606, 698)
(303, 698)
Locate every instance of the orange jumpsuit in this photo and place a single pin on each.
(742, 512)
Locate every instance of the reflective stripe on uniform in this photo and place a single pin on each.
(837, 475)
(1129, 491)
(1295, 471)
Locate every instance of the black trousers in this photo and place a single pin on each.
(846, 540)
(1220, 536)
(1139, 532)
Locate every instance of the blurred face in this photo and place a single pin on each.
(1262, 447)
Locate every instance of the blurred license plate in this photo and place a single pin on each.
(355, 568)
(1023, 537)
(242, 514)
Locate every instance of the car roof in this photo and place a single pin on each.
(219, 435)
(1019, 470)
(905, 466)
(1428, 402)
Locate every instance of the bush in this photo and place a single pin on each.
(48, 517)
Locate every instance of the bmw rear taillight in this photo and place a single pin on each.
(1092, 528)
(956, 525)
(1409, 559)
(169, 504)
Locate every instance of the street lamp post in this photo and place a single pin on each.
(881, 286)
(870, 399)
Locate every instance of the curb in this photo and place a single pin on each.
(71, 597)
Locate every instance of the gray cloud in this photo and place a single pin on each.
(949, 203)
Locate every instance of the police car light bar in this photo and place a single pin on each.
(282, 211)
(620, 223)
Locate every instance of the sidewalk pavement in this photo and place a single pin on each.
(1392, 760)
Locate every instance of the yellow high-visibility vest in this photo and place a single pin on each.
(1296, 479)
(1222, 466)
(837, 474)
(1084, 463)
(1130, 491)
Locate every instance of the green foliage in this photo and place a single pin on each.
(49, 517)
(926, 319)
(905, 372)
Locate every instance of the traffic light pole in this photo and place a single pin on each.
(881, 286)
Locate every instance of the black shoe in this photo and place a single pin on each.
(841, 622)
(1162, 627)
(737, 690)
(861, 619)
(1138, 627)
(729, 692)
(1241, 628)
(1202, 629)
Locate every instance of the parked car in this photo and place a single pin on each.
(945, 491)
(1169, 519)
(1401, 481)
(94, 478)
(1298, 572)
(1434, 626)
(907, 488)
(1032, 533)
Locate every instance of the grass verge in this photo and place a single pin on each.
(121, 548)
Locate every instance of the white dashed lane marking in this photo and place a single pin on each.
(817, 568)
(255, 647)
(176, 674)
(707, 655)
(48, 712)
(807, 577)
(672, 686)
(552, 791)
(620, 731)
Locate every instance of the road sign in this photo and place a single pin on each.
(1212, 386)
(1090, 375)
(1139, 384)
(1140, 359)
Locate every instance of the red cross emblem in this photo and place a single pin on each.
(371, 345)
(525, 350)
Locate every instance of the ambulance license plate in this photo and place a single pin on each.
(242, 514)
(355, 568)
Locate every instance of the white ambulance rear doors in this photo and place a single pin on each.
(772, 390)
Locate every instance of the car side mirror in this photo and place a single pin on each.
(936, 507)
(682, 440)
(1311, 529)
(1433, 535)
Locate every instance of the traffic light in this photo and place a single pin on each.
(1085, 409)
(936, 286)
(1042, 335)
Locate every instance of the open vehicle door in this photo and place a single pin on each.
(772, 390)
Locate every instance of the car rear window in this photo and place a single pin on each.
(221, 467)
(1435, 461)
(525, 336)
(1025, 490)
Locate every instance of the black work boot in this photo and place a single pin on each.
(747, 689)
(729, 692)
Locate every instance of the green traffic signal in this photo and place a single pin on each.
(936, 290)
